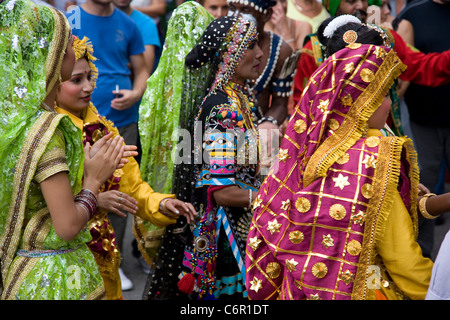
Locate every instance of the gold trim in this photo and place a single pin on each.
(35, 144)
(351, 128)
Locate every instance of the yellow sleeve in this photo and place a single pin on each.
(402, 255)
(148, 200)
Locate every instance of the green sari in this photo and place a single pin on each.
(35, 144)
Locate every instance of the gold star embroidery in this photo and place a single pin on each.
(347, 277)
(349, 67)
(380, 53)
(327, 241)
(291, 264)
(370, 161)
(314, 296)
(257, 202)
(256, 284)
(285, 204)
(283, 155)
(341, 181)
(347, 100)
(254, 243)
(323, 105)
(359, 217)
(274, 226)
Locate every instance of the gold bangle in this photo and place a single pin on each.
(164, 211)
(423, 206)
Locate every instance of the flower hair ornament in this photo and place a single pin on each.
(338, 22)
(83, 49)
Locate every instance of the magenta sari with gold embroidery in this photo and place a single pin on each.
(321, 209)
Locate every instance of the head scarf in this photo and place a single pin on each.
(160, 109)
(33, 40)
(315, 159)
(221, 48)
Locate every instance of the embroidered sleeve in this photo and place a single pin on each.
(53, 160)
(219, 145)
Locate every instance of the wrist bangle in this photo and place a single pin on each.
(423, 206)
(268, 118)
(88, 201)
(164, 211)
(250, 196)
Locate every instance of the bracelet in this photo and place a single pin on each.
(423, 207)
(164, 211)
(269, 118)
(250, 196)
(88, 201)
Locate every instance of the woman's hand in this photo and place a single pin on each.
(98, 168)
(129, 151)
(178, 207)
(117, 202)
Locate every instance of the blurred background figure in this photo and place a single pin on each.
(218, 8)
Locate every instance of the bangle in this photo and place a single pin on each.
(88, 201)
(269, 118)
(164, 211)
(250, 196)
(423, 206)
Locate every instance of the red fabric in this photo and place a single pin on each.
(432, 69)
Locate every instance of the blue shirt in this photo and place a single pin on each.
(115, 38)
(148, 28)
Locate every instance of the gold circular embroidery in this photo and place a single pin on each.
(303, 205)
(333, 124)
(296, 237)
(319, 270)
(337, 211)
(273, 269)
(300, 126)
(372, 142)
(354, 247)
(367, 190)
(354, 45)
(367, 75)
(344, 159)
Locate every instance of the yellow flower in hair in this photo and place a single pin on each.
(83, 49)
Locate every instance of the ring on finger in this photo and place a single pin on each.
(120, 199)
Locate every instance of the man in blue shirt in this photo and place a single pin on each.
(119, 49)
(148, 29)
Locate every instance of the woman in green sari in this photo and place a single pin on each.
(46, 204)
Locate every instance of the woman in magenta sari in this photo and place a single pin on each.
(337, 217)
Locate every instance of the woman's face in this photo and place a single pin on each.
(74, 95)
(248, 68)
(379, 117)
(68, 61)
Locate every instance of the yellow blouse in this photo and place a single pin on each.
(400, 257)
